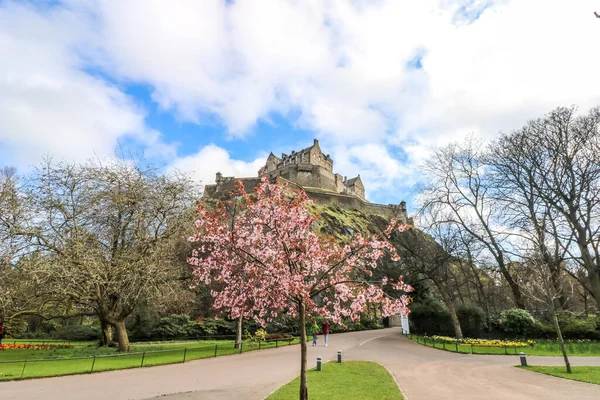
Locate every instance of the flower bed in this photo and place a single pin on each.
(34, 346)
(483, 342)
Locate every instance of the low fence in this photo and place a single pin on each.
(134, 341)
(49, 342)
(464, 348)
(22, 369)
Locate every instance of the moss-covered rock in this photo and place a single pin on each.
(343, 224)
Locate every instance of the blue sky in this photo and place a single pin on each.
(215, 86)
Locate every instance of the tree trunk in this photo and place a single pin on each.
(122, 336)
(514, 287)
(451, 309)
(238, 332)
(303, 352)
(454, 320)
(561, 341)
(555, 270)
(592, 268)
(482, 299)
(595, 285)
(107, 333)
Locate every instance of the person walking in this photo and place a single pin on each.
(2, 331)
(326, 331)
(314, 329)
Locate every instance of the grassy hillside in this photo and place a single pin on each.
(342, 224)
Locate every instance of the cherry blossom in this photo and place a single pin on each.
(261, 252)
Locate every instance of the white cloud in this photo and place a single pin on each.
(518, 60)
(345, 67)
(378, 168)
(487, 65)
(48, 104)
(211, 159)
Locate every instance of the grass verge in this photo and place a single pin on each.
(541, 348)
(23, 364)
(583, 374)
(351, 380)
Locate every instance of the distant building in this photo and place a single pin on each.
(312, 170)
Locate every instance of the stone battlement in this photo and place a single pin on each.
(310, 167)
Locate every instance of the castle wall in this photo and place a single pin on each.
(351, 202)
(327, 179)
(224, 186)
(318, 158)
(271, 164)
(339, 183)
(309, 175)
(357, 190)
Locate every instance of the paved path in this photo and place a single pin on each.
(423, 373)
(429, 374)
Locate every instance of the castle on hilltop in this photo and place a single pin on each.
(312, 170)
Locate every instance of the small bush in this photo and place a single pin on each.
(282, 324)
(578, 328)
(259, 336)
(78, 332)
(36, 335)
(544, 330)
(215, 327)
(180, 326)
(472, 320)
(278, 336)
(171, 327)
(371, 324)
(517, 323)
(430, 318)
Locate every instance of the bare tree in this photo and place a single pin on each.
(459, 193)
(541, 288)
(556, 161)
(422, 255)
(104, 232)
(13, 297)
(532, 221)
(467, 251)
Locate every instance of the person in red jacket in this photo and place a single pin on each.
(326, 326)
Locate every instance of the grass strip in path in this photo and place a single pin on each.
(583, 374)
(350, 380)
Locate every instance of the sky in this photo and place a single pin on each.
(207, 86)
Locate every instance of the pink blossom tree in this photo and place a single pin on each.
(266, 259)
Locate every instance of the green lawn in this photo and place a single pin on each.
(583, 374)
(541, 348)
(351, 380)
(16, 364)
(83, 349)
(552, 348)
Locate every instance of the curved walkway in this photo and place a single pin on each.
(422, 372)
(425, 373)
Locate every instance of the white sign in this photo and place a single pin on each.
(405, 328)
